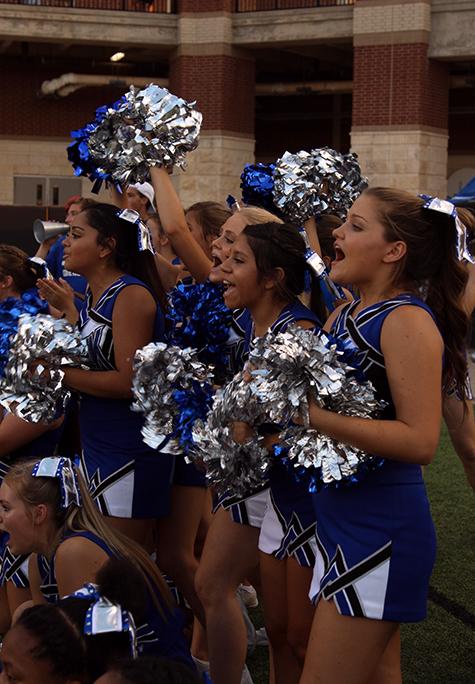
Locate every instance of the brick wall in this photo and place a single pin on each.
(397, 85)
(223, 87)
(23, 113)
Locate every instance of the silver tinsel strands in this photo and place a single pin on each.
(151, 127)
(318, 182)
(32, 388)
(159, 370)
(291, 365)
(231, 466)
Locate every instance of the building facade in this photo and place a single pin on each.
(394, 80)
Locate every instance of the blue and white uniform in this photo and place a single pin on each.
(376, 540)
(283, 510)
(126, 478)
(161, 635)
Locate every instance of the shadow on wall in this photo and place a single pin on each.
(16, 224)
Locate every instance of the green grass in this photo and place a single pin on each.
(440, 650)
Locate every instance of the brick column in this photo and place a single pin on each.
(400, 97)
(206, 68)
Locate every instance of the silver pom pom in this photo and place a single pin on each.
(159, 370)
(291, 365)
(318, 182)
(33, 388)
(151, 127)
(231, 466)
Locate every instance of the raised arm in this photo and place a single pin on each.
(412, 349)
(174, 224)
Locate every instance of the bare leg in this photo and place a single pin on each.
(344, 650)
(229, 555)
(176, 542)
(288, 614)
(5, 615)
(389, 667)
(275, 599)
(16, 596)
(301, 610)
(461, 427)
(138, 529)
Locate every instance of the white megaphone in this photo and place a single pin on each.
(43, 230)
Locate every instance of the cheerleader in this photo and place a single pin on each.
(19, 439)
(43, 646)
(266, 273)
(123, 311)
(458, 414)
(46, 509)
(376, 539)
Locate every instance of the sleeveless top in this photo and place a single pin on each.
(236, 344)
(362, 336)
(95, 323)
(292, 312)
(160, 636)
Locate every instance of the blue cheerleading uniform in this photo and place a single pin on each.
(283, 507)
(376, 539)
(125, 477)
(161, 635)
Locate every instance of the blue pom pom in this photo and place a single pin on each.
(78, 151)
(200, 319)
(10, 311)
(257, 185)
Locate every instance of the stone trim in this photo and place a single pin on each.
(387, 3)
(217, 132)
(87, 26)
(406, 127)
(195, 30)
(391, 18)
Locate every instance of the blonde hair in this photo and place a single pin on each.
(253, 215)
(85, 518)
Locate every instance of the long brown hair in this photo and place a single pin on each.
(103, 218)
(14, 262)
(210, 216)
(85, 518)
(430, 263)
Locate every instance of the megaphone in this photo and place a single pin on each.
(43, 230)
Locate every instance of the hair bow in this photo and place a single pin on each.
(104, 617)
(144, 237)
(446, 207)
(64, 470)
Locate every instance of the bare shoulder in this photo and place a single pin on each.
(78, 549)
(333, 316)
(410, 325)
(135, 297)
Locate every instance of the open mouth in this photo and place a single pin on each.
(339, 254)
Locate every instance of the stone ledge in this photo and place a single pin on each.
(319, 24)
(77, 25)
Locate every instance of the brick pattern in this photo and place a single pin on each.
(197, 6)
(24, 113)
(223, 87)
(397, 85)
